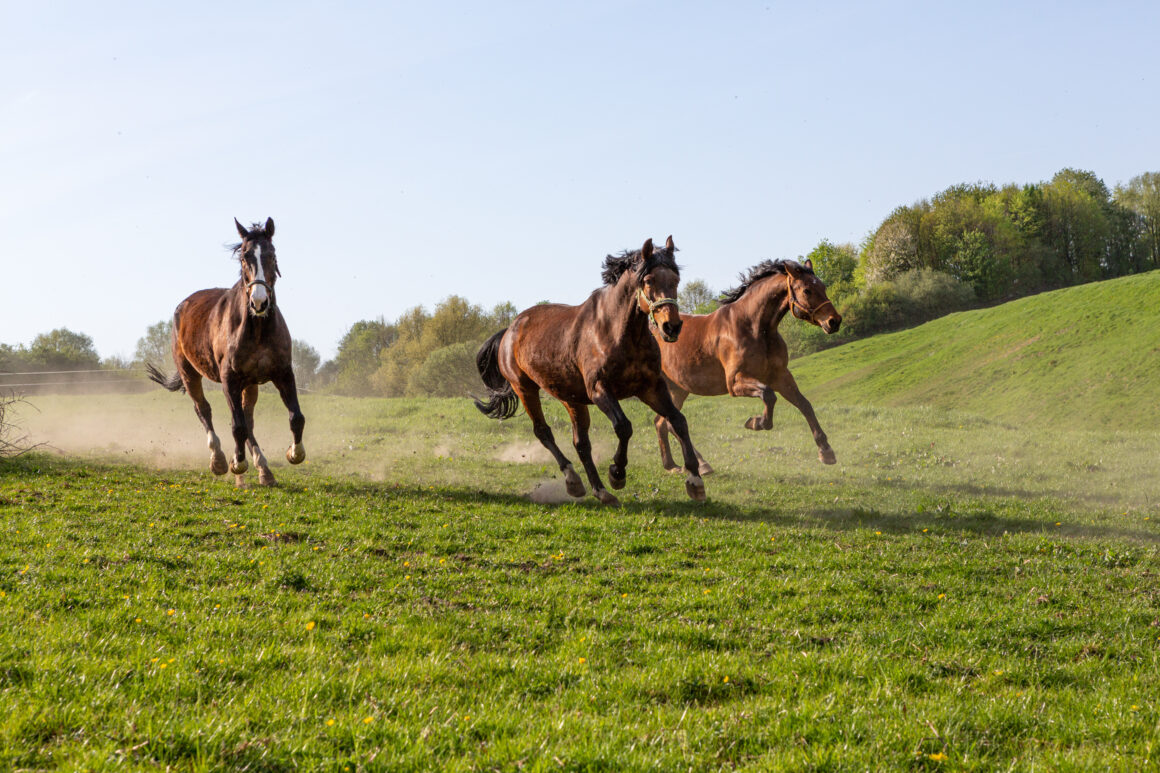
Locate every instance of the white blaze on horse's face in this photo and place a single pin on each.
(259, 295)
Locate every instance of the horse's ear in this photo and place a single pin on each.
(242, 230)
(647, 250)
(269, 228)
(791, 269)
(669, 243)
(809, 264)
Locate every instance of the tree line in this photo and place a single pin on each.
(969, 244)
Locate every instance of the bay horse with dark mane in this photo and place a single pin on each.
(736, 350)
(597, 353)
(237, 337)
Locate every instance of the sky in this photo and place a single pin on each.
(498, 151)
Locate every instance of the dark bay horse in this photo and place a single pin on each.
(597, 353)
(238, 338)
(736, 350)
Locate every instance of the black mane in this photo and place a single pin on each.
(760, 271)
(616, 265)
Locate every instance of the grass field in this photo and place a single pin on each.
(964, 590)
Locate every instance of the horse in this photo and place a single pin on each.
(237, 337)
(737, 350)
(597, 353)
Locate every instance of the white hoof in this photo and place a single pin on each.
(296, 453)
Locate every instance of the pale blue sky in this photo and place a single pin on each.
(409, 151)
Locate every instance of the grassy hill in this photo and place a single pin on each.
(1088, 356)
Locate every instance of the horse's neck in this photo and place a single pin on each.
(251, 328)
(628, 321)
(768, 305)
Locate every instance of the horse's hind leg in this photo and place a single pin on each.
(789, 390)
(296, 453)
(530, 397)
(265, 477)
(192, 380)
(580, 423)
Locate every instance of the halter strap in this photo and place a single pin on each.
(654, 305)
(262, 282)
(794, 304)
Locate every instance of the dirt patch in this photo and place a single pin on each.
(551, 492)
(526, 453)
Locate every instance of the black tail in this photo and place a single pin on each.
(172, 383)
(502, 402)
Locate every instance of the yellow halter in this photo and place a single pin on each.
(654, 305)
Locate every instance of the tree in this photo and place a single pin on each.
(893, 249)
(834, 263)
(696, 297)
(1141, 196)
(358, 355)
(305, 363)
(156, 346)
(62, 349)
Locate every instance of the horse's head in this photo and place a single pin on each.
(259, 265)
(658, 277)
(806, 295)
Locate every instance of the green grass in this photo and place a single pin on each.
(1086, 356)
(972, 587)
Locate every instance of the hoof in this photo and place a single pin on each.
(296, 453)
(827, 455)
(606, 498)
(239, 466)
(756, 423)
(266, 478)
(572, 483)
(704, 469)
(616, 480)
(218, 464)
(673, 467)
(695, 488)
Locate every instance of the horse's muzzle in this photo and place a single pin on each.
(259, 309)
(670, 330)
(831, 325)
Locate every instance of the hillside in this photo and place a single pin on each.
(1086, 356)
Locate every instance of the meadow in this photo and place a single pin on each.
(967, 589)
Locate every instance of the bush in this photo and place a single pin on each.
(447, 372)
(911, 298)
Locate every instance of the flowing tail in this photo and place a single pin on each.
(502, 402)
(172, 383)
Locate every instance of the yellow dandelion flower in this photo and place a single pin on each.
(406, 563)
(878, 533)
(942, 595)
(164, 665)
(310, 626)
(466, 717)
(937, 756)
(924, 531)
(442, 560)
(726, 680)
(706, 590)
(171, 612)
(583, 660)
(217, 606)
(137, 620)
(1135, 707)
(154, 660)
(366, 615)
(330, 723)
(368, 720)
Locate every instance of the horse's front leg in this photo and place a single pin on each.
(789, 390)
(232, 387)
(284, 383)
(265, 476)
(659, 399)
(602, 398)
(741, 385)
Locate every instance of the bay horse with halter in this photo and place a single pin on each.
(736, 350)
(597, 353)
(237, 337)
